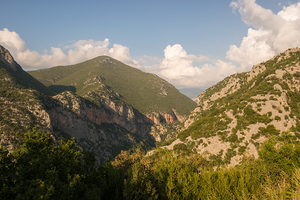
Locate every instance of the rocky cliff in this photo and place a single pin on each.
(6, 57)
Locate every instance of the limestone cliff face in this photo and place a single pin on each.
(158, 118)
(69, 104)
(98, 128)
(134, 119)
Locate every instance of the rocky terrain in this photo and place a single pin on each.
(234, 117)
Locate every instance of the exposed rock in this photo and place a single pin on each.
(6, 57)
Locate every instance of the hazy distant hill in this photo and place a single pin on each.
(235, 116)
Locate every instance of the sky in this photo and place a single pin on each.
(193, 44)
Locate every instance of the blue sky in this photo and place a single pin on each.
(191, 44)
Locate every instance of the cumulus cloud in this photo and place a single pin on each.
(290, 13)
(77, 52)
(270, 35)
(177, 67)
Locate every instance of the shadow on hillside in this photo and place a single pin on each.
(61, 88)
(100, 129)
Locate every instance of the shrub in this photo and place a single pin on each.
(180, 147)
(269, 114)
(277, 118)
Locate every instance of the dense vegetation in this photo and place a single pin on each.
(43, 169)
(144, 91)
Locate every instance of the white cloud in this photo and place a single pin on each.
(290, 13)
(271, 35)
(77, 52)
(11, 40)
(253, 49)
(177, 67)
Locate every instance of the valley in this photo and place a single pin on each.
(132, 132)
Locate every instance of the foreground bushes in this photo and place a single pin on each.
(41, 169)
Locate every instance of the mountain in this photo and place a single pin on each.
(144, 91)
(235, 116)
(104, 80)
(90, 111)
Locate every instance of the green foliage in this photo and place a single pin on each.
(277, 118)
(208, 125)
(269, 114)
(242, 149)
(250, 117)
(293, 99)
(41, 169)
(233, 138)
(282, 158)
(181, 148)
(269, 131)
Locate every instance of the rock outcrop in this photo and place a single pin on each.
(6, 57)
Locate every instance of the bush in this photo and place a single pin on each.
(277, 118)
(180, 147)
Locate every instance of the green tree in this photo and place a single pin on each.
(41, 169)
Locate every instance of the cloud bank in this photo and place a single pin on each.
(177, 67)
(268, 35)
(77, 52)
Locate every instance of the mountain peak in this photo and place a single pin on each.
(6, 57)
